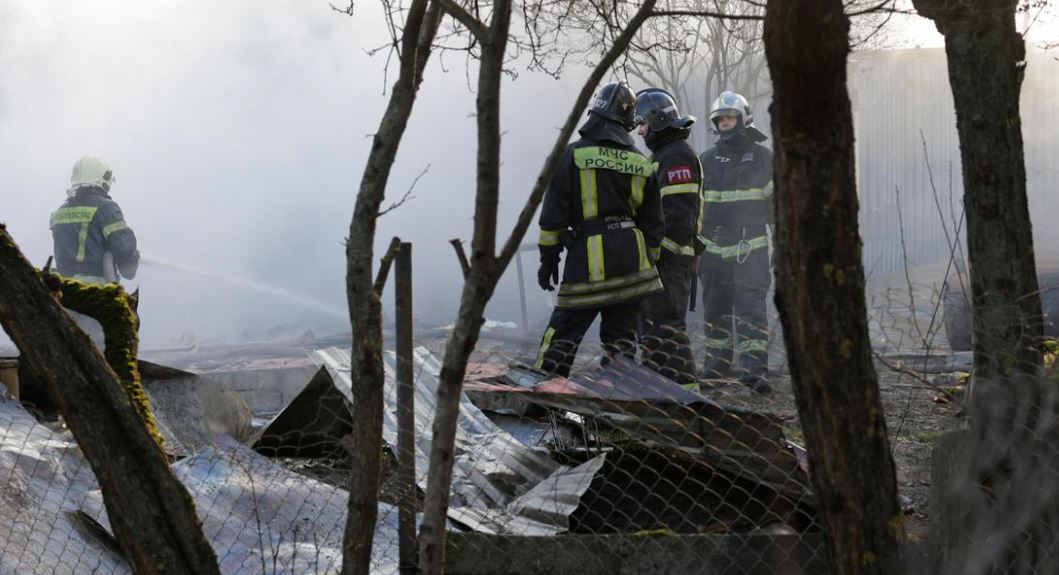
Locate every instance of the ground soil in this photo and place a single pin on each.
(915, 415)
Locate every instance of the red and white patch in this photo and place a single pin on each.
(679, 175)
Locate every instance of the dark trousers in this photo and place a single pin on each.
(734, 293)
(663, 329)
(617, 332)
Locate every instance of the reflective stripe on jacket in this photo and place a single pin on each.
(86, 226)
(737, 197)
(679, 179)
(605, 203)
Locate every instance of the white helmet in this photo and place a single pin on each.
(91, 171)
(730, 103)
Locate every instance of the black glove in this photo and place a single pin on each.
(548, 274)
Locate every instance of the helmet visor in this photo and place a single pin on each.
(726, 112)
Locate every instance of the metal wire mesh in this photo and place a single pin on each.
(612, 469)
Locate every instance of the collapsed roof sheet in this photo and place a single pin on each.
(43, 481)
(261, 518)
(496, 484)
(495, 478)
(646, 405)
(255, 513)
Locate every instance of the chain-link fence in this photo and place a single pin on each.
(611, 469)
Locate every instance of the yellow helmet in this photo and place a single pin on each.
(91, 171)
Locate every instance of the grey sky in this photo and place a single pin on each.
(238, 131)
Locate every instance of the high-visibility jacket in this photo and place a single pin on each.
(737, 197)
(679, 178)
(85, 227)
(604, 207)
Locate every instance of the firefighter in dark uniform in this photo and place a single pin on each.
(93, 244)
(737, 196)
(663, 329)
(604, 208)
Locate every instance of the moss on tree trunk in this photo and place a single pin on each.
(112, 307)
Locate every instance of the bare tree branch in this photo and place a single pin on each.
(461, 255)
(348, 10)
(875, 8)
(385, 263)
(706, 14)
(518, 232)
(474, 25)
(365, 307)
(407, 195)
(915, 375)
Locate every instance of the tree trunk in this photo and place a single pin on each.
(365, 307)
(486, 268)
(820, 287)
(986, 59)
(114, 310)
(1014, 436)
(152, 514)
(478, 288)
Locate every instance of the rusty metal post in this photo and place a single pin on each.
(406, 522)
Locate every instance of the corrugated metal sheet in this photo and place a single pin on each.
(499, 484)
(261, 518)
(902, 98)
(488, 460)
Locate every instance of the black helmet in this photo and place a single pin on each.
(616, 102)
(658, 109)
